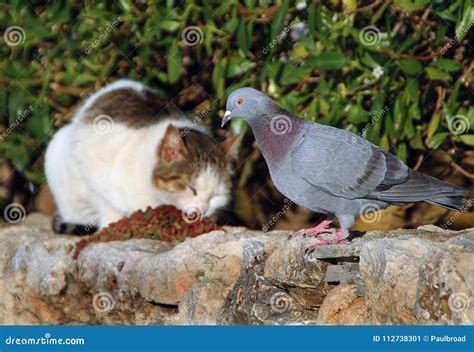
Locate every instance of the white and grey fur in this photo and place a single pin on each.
(98, 176)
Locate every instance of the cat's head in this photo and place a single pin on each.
(193, 172)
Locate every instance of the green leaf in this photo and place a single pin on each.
(293, 75)
(375, 17)
(170, 26)
(384, 143)
(231, 25)
(378, 104)
(369, 61)
(412, 90)
(174, 63)
(218, 77)
(438, 139)
(237, 66)
(467, 139)
(447, 65)
(389, 129)
(414, 111)
(410, 66)
(433, 125)
(408, 128)
(466, 23)
(357, 114)
(242, 38)
(299, 52)
(446, 15)
(273, 69)
(410, 5)
(279, 20)
(436, 74)
(417, 142)
(402, 152)
(327, 60)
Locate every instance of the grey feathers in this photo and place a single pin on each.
(330, 170)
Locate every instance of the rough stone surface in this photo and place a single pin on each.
(237, 276)
(342, 306)
(418, 281)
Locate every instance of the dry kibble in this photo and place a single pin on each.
(164, 223)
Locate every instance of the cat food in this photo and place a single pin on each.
(164, 223)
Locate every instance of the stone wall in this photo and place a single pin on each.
(237, 276)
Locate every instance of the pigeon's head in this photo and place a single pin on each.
(244, 103)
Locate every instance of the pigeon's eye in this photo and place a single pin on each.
(239, 101)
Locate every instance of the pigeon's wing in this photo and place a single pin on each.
(343, 164)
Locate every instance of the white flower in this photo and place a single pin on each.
(272, 88)
(366, 81)
(301, 5)
(377, 72)
(298, 30)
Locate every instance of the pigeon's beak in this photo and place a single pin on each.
(227, 117)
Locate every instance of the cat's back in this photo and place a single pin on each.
(126, 102)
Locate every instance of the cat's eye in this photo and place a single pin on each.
(239, 101)
(192, 189)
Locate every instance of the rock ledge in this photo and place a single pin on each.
(237, 276)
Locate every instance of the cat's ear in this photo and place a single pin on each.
(173, 148)
(231, 146)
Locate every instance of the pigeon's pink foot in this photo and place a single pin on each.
(322, 227)
(339, 237)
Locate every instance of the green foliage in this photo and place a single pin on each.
(385, 72)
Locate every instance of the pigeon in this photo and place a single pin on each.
(332, 171)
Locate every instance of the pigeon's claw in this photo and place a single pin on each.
(322, 227)
(339, 238)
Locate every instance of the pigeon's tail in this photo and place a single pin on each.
(452, 203)
(419, 187)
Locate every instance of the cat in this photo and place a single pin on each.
(124, 150)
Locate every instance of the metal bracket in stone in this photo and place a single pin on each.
(337, 253)
(343, 265)
(345, 273)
